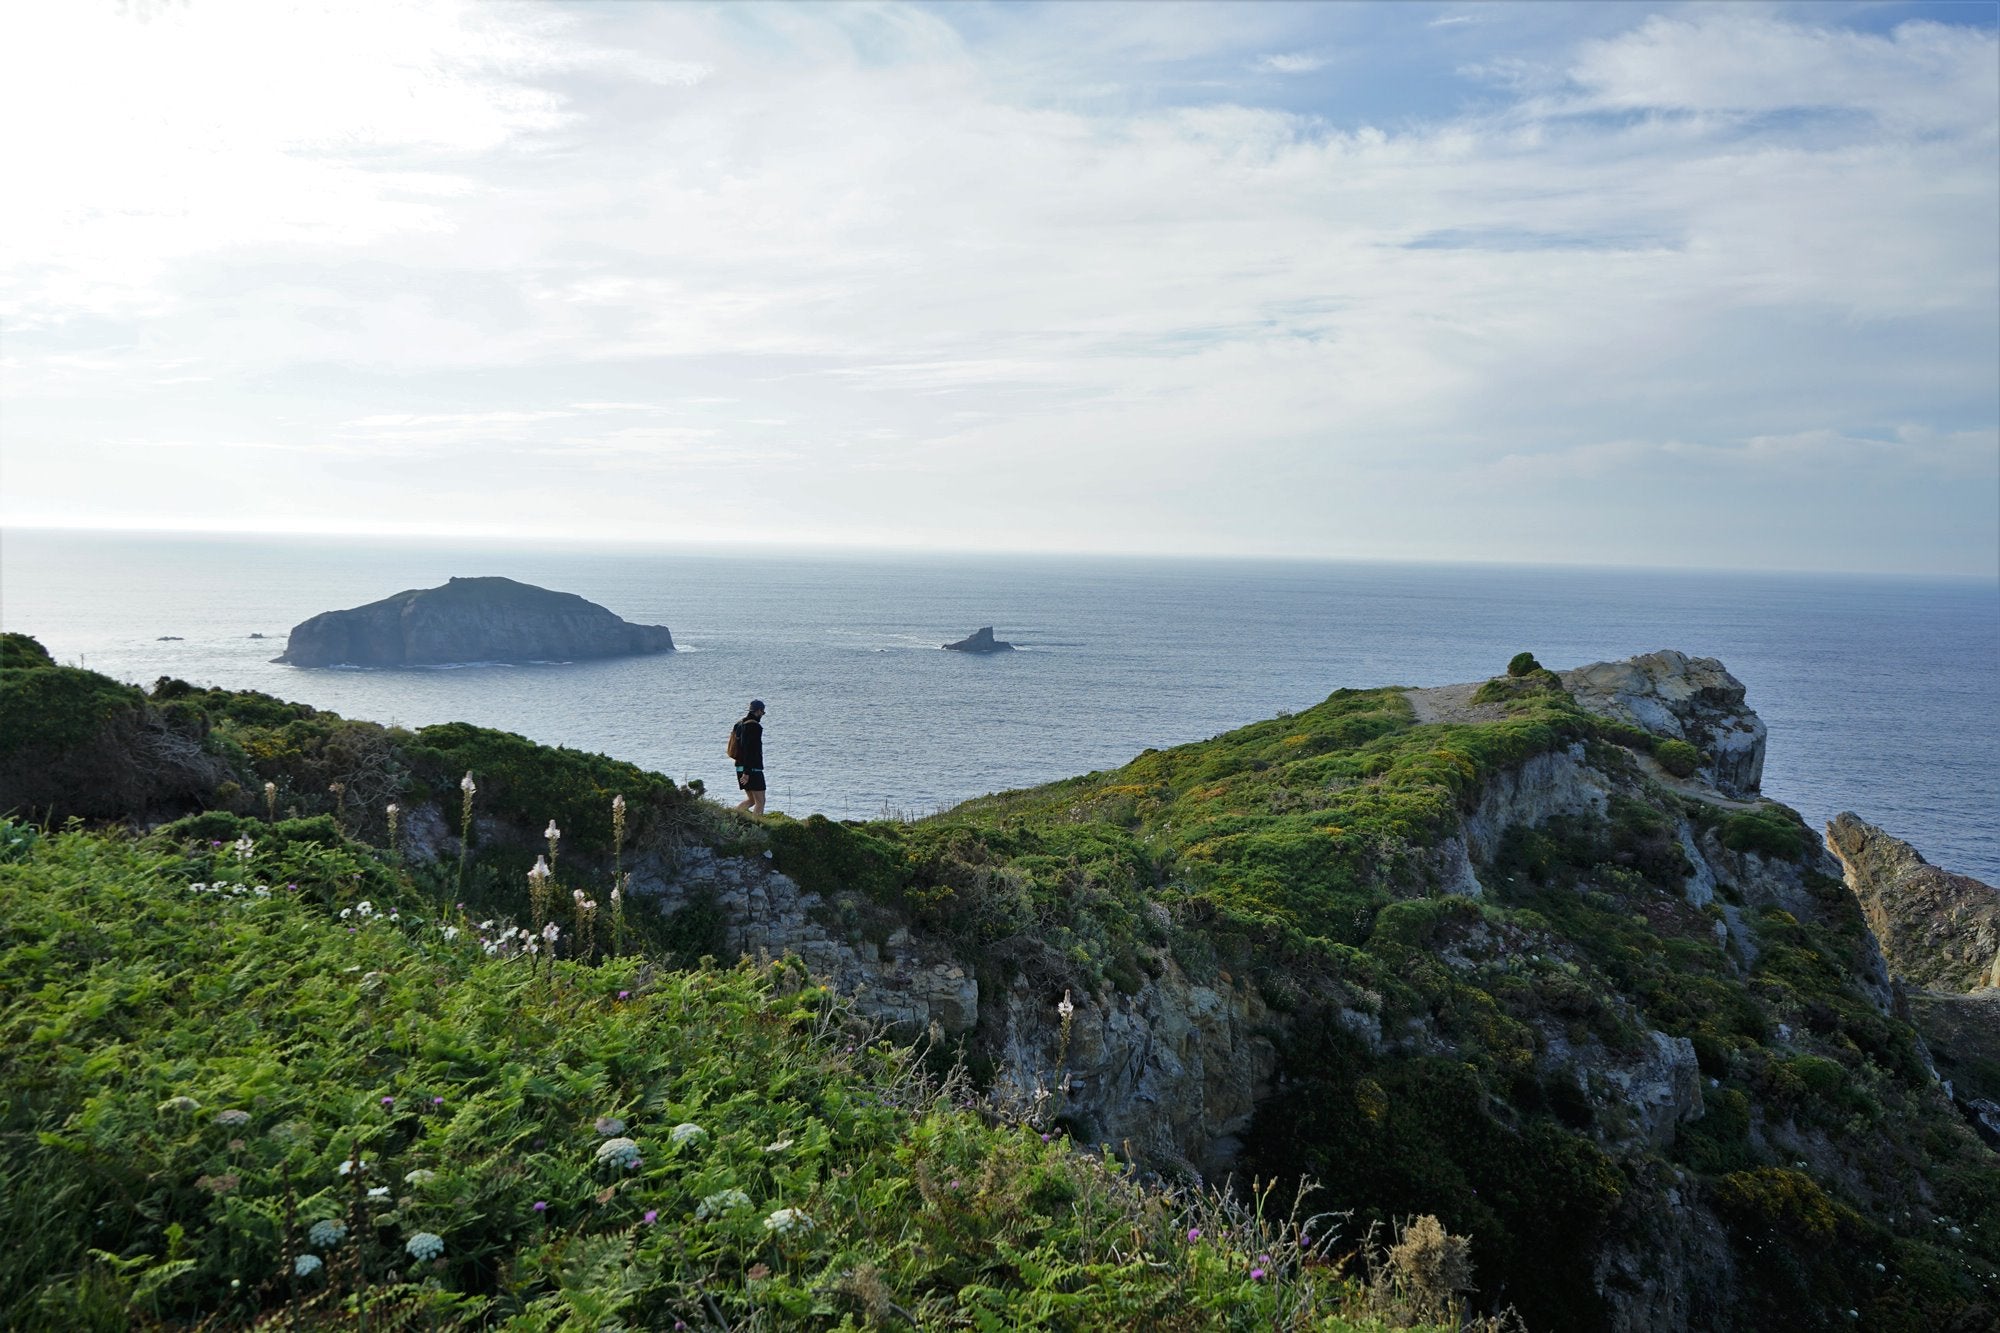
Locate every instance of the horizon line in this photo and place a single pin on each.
(544, 539)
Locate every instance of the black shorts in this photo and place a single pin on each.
(750, 779)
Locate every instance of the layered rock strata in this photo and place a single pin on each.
(1692, 699)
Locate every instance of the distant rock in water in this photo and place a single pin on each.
(169, 638)
(470, 620)
(1937, 929)
(258, 636)
(981, 642)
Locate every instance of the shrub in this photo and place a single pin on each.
(1772, 831)
(23, 652)
(1522, 664)
(1677, 757)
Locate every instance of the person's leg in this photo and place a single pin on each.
(757, 801)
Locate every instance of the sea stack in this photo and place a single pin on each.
(470, 620)
(981, 641)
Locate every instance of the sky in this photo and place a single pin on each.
(1613, 284)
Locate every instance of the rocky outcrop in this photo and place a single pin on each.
(981, 641)
(1174, 1069)
(1692, 699)
(470, 620)
(1938, 930)
(1962, 1033)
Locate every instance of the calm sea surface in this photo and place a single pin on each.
(1882, 694)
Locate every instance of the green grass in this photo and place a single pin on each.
(186, 1072)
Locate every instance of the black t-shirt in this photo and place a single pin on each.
(750, 743)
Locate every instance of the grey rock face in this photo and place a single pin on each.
(470, 620)
(981, 641)
(1938, 930)
(1176, 1068)
(1693, 699)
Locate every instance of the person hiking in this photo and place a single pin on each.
(746, 747)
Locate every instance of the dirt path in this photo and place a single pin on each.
(1452, 703)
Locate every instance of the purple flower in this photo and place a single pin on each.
(1256, 1275)
(437, 1101)
(652, 1216)
(541, 1205)
(1194, 1234)
(624, 995)
(388, 1101)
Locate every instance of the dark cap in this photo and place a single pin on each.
(756, 705)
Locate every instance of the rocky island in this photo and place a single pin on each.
(470, 620)
(980, 641)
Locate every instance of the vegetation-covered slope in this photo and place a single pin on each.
(265, 1081)
(1645, 1058)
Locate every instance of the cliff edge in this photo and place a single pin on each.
(1938, 930)
(470, 620)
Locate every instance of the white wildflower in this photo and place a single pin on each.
(394, 810)
(197, 888)
(576, 894)
(182, 1103)
(610, 1124)
(1065, 1009)
(420, 1176)
(685, 1133)
(540, 870)
(466, 784)
(552, 832)
(617, 1152)
(787, 1220)
(232, 1117)
(244, 848)
(618, 805)
(720, 1202)
(551, 931)
(425, 1245)
(379, 1192)
(351, 1164)
(326, 1232)
(306, 1265)
(614, 897)
(778, 1145)
(450, 934)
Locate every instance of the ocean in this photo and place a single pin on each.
(1882, 694)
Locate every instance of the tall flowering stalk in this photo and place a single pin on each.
(538, 890)
(339, 790)
(586, 924)
(617, 871)
(270, 802)
(395, 814)
(618, 892)
(554, 835)
(468, 786)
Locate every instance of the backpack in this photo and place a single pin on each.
(735, 734)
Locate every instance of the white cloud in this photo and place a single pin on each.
(1293, 62)
(922, 269)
